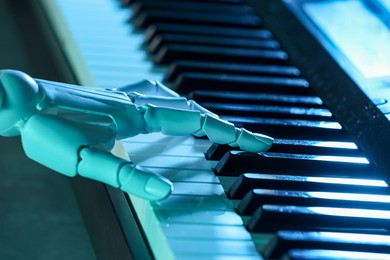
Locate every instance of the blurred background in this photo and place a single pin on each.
(39, 214)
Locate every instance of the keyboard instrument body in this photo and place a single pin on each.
(199, 220)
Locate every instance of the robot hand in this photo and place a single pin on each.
(71, 129)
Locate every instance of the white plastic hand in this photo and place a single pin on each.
(71, 129)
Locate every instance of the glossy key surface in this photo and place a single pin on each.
(144, 19)
(290, 128)
(268, 111)
(276, 217)
(216, 151)
(259, 197)
(250, 33)
(232, 164)
(248, 181)
(182, 66)
(323, 254)
(162, 40)
(173, 52)
(256, 98)
(286, 240)
(195, 6)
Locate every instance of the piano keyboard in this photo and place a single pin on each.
(309, 197)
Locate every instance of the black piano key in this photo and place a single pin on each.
(248, 181)
(290, 128)
(267, 111)
(259, 197)
(253, 33)
(187, 82)
(154, 16)
(271, 218)
(343, 148)
(162, 40)
(234, 163)
(193, 6)
(287, 240)
(216, 151)
(323, 254)
(256, 98)
(181, 66)
(173, 52)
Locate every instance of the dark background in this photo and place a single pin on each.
(39, 214)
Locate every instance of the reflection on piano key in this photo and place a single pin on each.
(285, 240)
(248, 181)
(322, 254)
(269, 111)
(290, 128)
(269, 218)
(258, 197)
(231, 164)
(216, 151)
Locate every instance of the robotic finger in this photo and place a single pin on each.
(167, 120)
(166, 112)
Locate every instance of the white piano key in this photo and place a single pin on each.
(166, 149)
(120, 72)
(99, 66)
(210, 217)
(200, 202)
(185, 175)
(120, 57)
(159, 144)
(183, 162)
(166, 146)
(110, 83)
(161, 138)
(193, 188)
(188, 247)
(186, 231)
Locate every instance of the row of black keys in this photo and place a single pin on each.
(220, 56)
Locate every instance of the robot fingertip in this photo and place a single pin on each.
(264, 138)
(158, 188)
(143, 183)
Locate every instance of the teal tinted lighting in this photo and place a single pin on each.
(357, 32)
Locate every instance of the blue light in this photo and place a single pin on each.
(359, 34)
